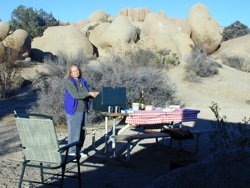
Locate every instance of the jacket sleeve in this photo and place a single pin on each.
(74, 91)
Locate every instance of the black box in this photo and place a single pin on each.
(110, 96)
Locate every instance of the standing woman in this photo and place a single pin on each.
(76, 106)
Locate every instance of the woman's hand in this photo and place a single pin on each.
(93, 94)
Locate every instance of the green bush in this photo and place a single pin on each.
(115, 71)
(199, 64)
(237, 62)
(32, 21)
(167, 59)
(236, 29)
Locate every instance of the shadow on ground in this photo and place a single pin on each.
(25, 97)
(148, 161)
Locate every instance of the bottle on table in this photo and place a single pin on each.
(142, 100)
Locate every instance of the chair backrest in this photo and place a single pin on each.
(22, 113)
(39, 140)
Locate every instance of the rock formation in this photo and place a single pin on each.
(2, 50)
(110, 34)
(135, 14)
(66, 39)
(183, 25)
(206, 32)
(98, 16)
(235, 47)
(133, 25)
(164, 34)
(20, 41)
(4, 30)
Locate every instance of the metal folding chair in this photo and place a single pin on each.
(40, 146)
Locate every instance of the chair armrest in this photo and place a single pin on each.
(62, 149)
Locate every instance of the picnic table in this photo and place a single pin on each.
(142, 117)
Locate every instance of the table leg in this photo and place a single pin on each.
(113, 134)
(180, 125)
(93, 139)
(106, 135)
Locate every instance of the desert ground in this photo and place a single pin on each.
(230, 89)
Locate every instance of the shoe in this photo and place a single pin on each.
(72, 155)
(83, 155)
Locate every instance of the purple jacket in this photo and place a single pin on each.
(70, 103)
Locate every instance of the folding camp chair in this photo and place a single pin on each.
(40, 146)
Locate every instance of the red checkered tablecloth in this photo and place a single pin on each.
(161, 116)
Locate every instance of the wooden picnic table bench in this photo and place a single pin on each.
(129, 139)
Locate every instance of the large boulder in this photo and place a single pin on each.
(161, 33)
(19, 41)
(110, 34)
(98, 16)
(206, 32)
(79, 25)
(4, 30)
(135, 14)
(96, 32)
(237, 47)
(155, 24)
(63, 39)
(184, 44)
(156, 43)
(1, 51)
(183, 25)
(89, 27)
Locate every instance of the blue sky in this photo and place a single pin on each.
(224, 11)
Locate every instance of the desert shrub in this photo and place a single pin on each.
(140, 57)
(117, 71)
(228, 135)
(125, 72)
(236, 29)
(32, 21)
(199, 64)
(50, 85)
(237, 62)
(167, 59)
